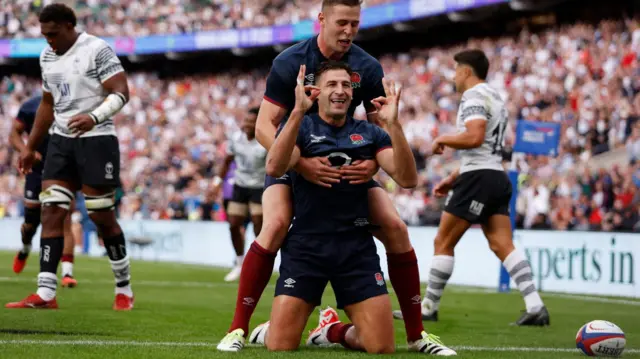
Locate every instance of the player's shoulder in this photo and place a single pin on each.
(93, 41)
(481, 91)
(364, 127)
(32, 103)
(48, 55)
(366, 58)
(294, 55)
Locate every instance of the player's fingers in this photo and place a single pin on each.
(314, 95)
(331, 175)
(380, 99)
(354, 172)
(359, 181)
(324, 160)
(323, 184)
(385, 84)
(398, 94)
(311, 88)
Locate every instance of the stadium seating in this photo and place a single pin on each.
(18, 19)
(173, 131)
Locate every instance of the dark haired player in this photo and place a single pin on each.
(246, 201)
(478, 192)
(329, 240)
(339, 22)
(84, 86)
(32, 188)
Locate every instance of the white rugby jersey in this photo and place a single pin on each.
(250, 158)
(75, 79)
(484, 103)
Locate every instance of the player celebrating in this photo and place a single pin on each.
(84, 86)
(479, 192)
(339, 21)
(32, 188)
(329, 239)
(249, 157)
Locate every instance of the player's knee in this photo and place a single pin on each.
(442, 245)
(395, 227)
(380, 347)
(272, 233)
(282, 345)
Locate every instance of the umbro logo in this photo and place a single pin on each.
(248, 301)
(289, 283)
(317, 139)
(416, 299)
(309, 79)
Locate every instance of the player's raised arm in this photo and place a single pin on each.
(397, 160)
(281, 155)
(41, 125)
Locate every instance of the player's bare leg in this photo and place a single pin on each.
(237, 217)
(100, 204)
(27, 231)
(289, 316)
(404, 273)
(499, 234)
(255, 210)
(258, 264)
(67, 252)
(56, 199)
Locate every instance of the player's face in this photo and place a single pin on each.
(249, 125)
(335, 93)
(58, 36)
(462, 73)
(340, 24)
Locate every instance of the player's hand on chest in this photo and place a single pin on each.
(341, 149)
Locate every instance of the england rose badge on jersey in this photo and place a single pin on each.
(379, 279)
(355, 80)
(356, 139)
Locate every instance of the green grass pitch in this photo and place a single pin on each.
(182, 311)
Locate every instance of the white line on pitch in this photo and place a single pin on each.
(205, 344)
(150, 283)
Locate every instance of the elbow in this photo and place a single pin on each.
(274, 170)
(409, 181)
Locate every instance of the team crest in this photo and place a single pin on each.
(356, 139)
(379, 279)
(355, 80)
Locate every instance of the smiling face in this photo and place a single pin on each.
(335, 93)
(340, 24)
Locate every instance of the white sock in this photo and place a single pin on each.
(121, 271)
(26, 248)
(520, 271)
(77, 249)
(441, 269)
(239, 260)
(67, 269)
(47, 284)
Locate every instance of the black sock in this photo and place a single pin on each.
(50, 254)
(116, 247)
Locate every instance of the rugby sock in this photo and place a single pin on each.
(256, 272)
(337, 333)
(67, 265)
(50, 253)
(520, 271)
(405, 279)
(117, 252)
(24, 252)
(29, 229)
(441, 269)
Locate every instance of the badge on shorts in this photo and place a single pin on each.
(379, 279)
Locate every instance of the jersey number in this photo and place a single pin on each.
(63, 88)
(498, 135)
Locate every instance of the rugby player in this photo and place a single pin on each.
(246, 200)
(84, 85)
(339, 23)
(329, 240)
(32, 188)
(478, 192)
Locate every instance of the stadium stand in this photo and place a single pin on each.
(583, 75)
(18, 18)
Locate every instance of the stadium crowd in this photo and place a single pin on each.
(173, 132)
(19, 19)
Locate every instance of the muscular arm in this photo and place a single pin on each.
(473, 137)
(398, 160)
(269, 117)
(225, 166)
(117, 84)
(42, 123)
(15, 136)
(283, 154)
